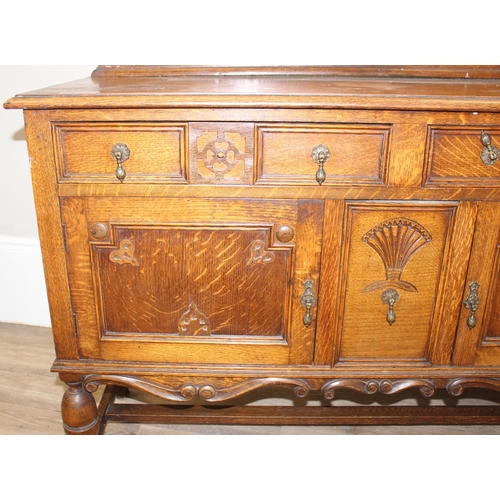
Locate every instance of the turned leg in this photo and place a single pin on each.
(79, 410)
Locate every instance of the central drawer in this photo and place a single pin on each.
(357, 154)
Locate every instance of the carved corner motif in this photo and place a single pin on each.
(193, 322)
(125, 254)
(396, 241)
(258, 255)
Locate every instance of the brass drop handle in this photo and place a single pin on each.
(308, 300)
(120, 152)
(320, 154)
(471, 302)
(390, 297)
(490, 153)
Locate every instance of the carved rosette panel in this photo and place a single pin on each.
(221, 153)
(396, 241)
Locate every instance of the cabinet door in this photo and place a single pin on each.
(478, 335)
(397, 270)
(192, 280)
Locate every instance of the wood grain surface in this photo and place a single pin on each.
(220, 267)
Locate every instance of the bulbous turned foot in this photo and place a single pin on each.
(79, 411)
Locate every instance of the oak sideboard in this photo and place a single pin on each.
(209, 232)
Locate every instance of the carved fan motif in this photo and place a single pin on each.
(396, 241)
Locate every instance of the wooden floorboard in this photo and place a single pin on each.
(30, 399)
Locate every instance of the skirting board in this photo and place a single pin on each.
(23, 298)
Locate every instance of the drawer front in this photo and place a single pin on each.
(85, 152)
(357, 154)
(457, 156)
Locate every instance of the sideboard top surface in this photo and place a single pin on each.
(467, 88)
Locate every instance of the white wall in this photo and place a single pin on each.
(22, 287)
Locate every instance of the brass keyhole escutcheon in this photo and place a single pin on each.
(99, 231)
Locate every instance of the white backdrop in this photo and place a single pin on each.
(317, 32)
(260, 32)
(22, 287)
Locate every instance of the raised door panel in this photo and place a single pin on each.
(478, 336)
(195, 281)
(394, 276)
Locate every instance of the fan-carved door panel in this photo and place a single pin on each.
(193, 280)
(396, 259)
